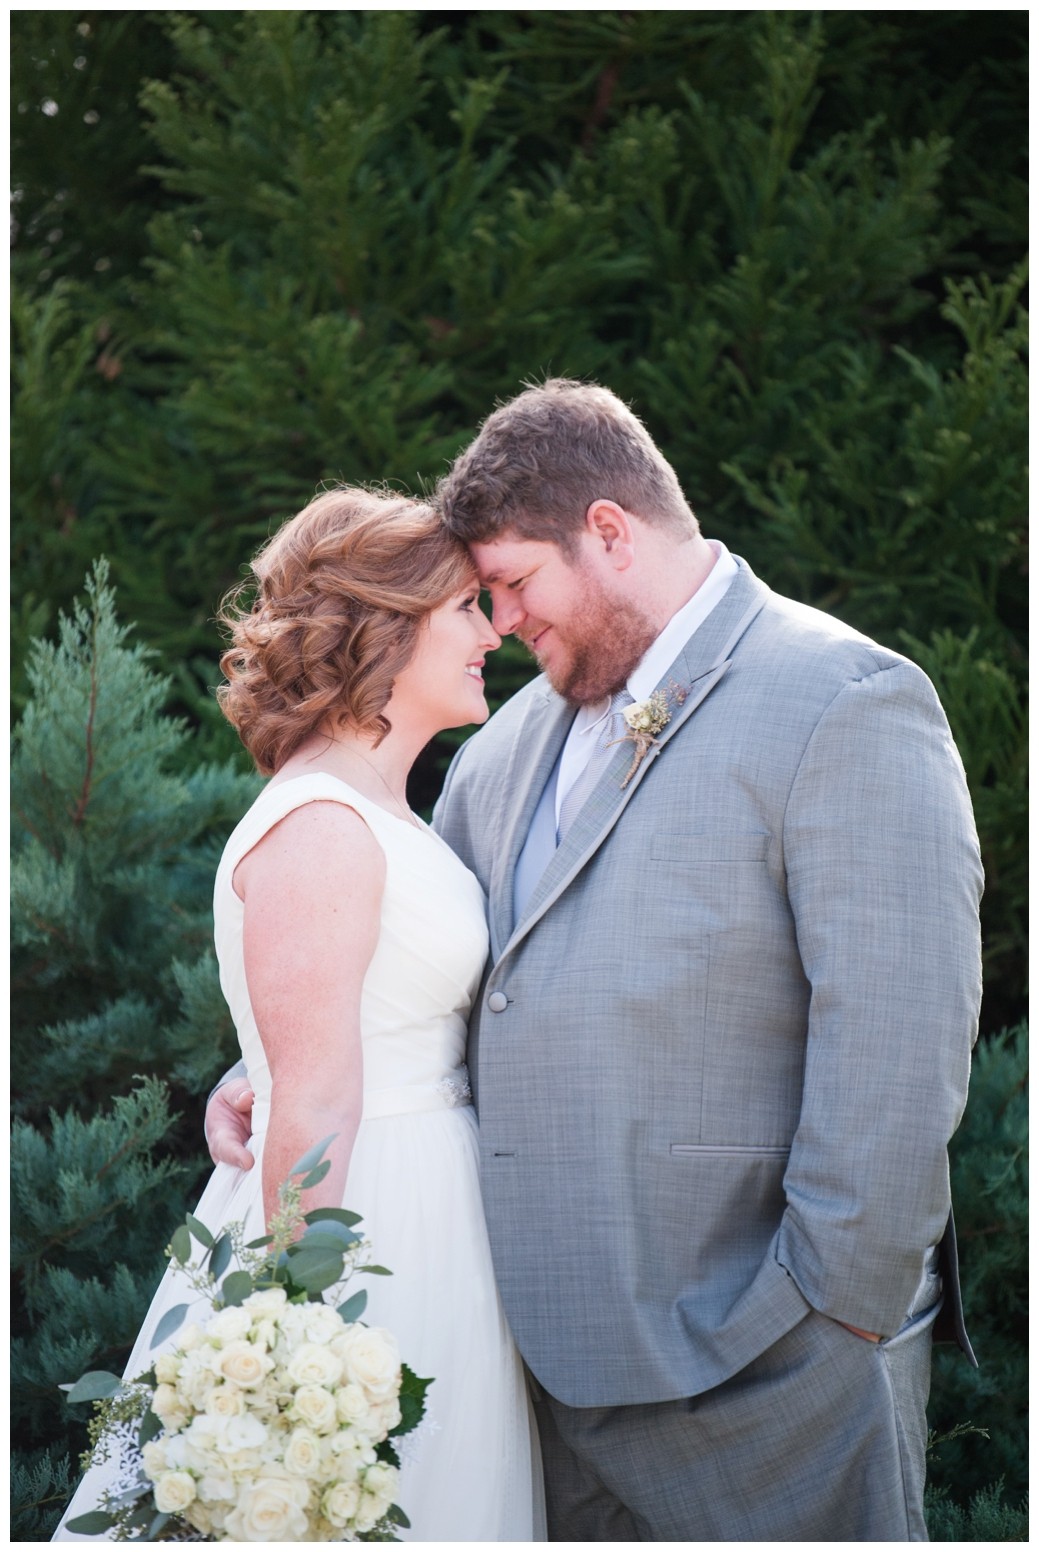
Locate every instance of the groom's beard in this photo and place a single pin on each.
(605, 640)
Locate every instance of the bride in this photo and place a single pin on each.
(351, 942)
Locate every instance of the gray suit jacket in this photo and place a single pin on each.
(739, 1008)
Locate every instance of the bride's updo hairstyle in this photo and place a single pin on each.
(330, 617)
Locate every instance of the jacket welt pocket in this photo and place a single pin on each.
(730, 1150)
(710, 849)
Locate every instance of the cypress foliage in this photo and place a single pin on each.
(114, 999)
(258, 251)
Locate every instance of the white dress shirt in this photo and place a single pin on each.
(645, 677)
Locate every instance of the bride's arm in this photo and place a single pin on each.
(312, 890)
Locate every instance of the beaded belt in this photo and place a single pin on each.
(414, 1098)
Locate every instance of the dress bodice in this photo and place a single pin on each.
(423, 975)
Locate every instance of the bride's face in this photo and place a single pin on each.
(443, 682)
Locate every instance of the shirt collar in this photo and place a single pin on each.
(657, 659)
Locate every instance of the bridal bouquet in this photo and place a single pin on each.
(273, 1419)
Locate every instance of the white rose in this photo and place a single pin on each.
(269, 1510)
(174, 1490)
(292, 1320)
(339, 1503)
(189, 1339)
(225, 1401)
(168, 1408)
(198, 1515)
(312, 1364)
(164, 1399)
(316, 1407)
(372, 1360)
(229, 1325)
(369, 1511)
(381, 1481)
(353, 1405)
(266, 1300)
(242, 1364)
(216, 1487)
(167, 1367)
(349, 1452)
(322, 1323)
(154, 1458)
(265, 1331)
(195, 1383)
(303, 1453)
(242, 1463)
(384, 1417)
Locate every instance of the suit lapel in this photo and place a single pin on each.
(702, 664)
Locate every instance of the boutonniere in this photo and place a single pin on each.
(646, 719)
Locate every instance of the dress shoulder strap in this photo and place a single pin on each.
(281, 798)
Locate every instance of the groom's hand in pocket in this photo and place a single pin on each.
(229, 1124)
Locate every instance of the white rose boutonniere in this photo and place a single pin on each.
(646, 719)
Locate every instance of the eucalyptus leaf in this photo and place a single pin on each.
(258, 1244)
(158, 1523)
(376, 1271)
(170, 1322)
(221, 1256)
(236, 1287)
(396, 1516)
(151, 1427)
(180, 1244)
(317, 1269)
(337, 1215)
(312, 1155)
(95, 1386)
(325, 1239)
(353, 1307)
(200, 1231)
(93, 1524)
(317, 1174)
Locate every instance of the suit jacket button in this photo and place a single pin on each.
(497, 1002)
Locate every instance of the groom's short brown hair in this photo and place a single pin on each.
(543, 457)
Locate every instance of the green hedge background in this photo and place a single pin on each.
(255, 251)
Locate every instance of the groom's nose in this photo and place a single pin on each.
(506, 612)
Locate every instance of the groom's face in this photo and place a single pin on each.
(585, 635)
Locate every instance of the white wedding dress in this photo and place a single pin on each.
(471, 1471)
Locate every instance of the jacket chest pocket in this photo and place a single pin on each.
(711, 848)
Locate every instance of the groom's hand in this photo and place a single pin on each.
(229, 1124)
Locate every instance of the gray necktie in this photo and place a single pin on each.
(612, 728)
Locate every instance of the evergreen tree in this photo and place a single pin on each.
(114, 998)
(990, 1189)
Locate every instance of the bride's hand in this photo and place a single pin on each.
(229, 1124)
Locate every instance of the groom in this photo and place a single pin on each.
(725, 1033)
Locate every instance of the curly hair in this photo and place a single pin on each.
(330, 617)
(542, 458)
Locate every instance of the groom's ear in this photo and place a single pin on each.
(610, 528)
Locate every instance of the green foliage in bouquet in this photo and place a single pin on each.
(313, 1404)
